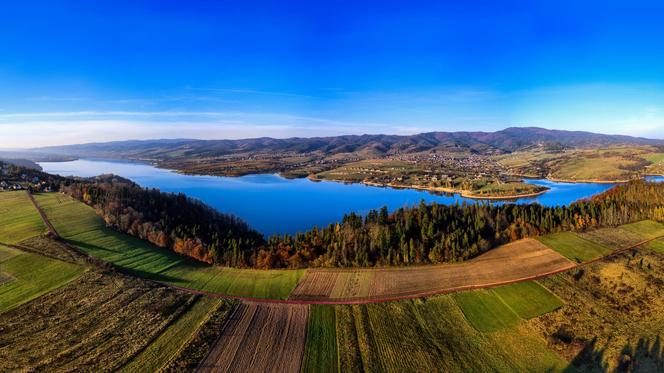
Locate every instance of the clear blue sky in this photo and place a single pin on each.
(78, 71)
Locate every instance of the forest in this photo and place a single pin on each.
(424, 234)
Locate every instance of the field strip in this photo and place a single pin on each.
(260, 337)
(495, 258)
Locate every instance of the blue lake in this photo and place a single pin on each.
(272, 204)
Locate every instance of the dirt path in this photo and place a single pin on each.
(262, 337)
(42, 214)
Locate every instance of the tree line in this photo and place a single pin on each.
(171, 221)
(424, 234)
(451, 233)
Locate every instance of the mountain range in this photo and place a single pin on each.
(504, 141)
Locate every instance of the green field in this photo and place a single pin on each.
(485, 310)
(320, 354)
(30, 275)
(433, 335)
(18, 218)
(657, 246)
(615, 238)
(165, 347)
(647, 229)
(528, 299)
(574, 247)
(80, 226)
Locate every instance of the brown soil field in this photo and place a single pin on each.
(260, 337)
(515, 261)
(96, 323)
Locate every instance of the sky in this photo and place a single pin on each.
(91, 71)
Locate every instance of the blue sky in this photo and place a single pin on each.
(80, 71)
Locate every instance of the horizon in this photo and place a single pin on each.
(309, 137)
(78, 72)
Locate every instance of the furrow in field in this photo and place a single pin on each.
(260, 338)
(512, 262)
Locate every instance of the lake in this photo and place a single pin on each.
(275, 205)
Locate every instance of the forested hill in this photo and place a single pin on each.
(507, 140)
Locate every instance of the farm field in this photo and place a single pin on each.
(97, 322)
(320, 354)
(19, 219)
(432, 335)
(574, 247)
(516, 260)
(262, 337)
(528, 299)
(485, 310)
(81, 227)
(165, 347)
(614, 238)
(489, 310)
(27, 276)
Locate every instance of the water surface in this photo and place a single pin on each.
(273, 204)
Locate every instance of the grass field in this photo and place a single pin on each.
(29, 276)
(528, 299)
(657, 246)
(433, 336)
(18, 218)
(166, 347)
(95, 323)
(615, 238)
(646, 229)
(574, 247)
(485, 310)
(320, 354)
(80, 226)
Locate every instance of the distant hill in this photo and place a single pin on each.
(21, 163)
(504, 141)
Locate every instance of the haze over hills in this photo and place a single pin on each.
(504, 141)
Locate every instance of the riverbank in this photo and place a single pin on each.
(461, 192)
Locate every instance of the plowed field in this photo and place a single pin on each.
(261, 338)
(514, 261)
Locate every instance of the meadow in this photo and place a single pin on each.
(27, 276)
(19, 219)
(574, 247)
(613, 315)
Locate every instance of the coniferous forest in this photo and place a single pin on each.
(424, 234)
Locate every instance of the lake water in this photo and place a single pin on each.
(272, 204)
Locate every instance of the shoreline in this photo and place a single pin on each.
(460, 192)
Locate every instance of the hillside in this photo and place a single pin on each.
(504, 141)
